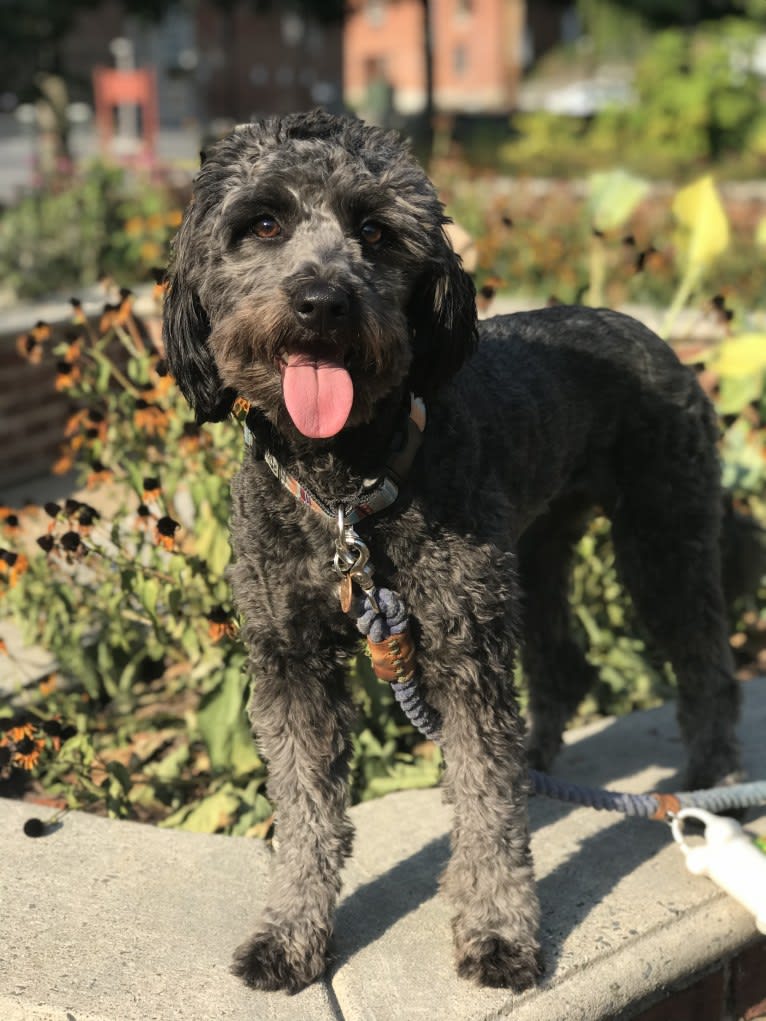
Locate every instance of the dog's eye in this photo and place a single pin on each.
(266, 227)
(371, 232)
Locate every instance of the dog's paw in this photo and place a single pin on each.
(271, 960)
(494, 961)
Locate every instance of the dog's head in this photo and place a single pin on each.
(312, 277)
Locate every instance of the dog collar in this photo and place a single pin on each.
(380, 494)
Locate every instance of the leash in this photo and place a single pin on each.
(383, 622)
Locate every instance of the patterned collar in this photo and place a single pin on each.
(379, 494)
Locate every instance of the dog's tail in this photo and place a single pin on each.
(743, 553)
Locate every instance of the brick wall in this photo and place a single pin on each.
(734, 991)
(32, 415)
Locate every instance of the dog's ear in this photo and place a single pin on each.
(185, 330)
(442, 317)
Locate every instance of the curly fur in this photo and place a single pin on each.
(551, 414)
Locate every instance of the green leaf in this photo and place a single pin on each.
(213, 813)
(613, 196)
(742, 355)
(705, 227)
(222, 722)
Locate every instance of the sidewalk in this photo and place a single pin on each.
(114, 921)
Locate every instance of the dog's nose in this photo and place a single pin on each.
(321, 307)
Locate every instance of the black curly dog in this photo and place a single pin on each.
(312, 277)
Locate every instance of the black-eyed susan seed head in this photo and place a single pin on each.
(46, 543)
(70, 542)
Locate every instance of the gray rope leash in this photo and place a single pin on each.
(384, 617)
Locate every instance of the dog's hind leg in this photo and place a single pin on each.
(557, 673)
(666, 533)
(300, 714)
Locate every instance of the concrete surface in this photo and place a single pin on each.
(114, 921)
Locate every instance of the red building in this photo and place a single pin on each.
(478, 55)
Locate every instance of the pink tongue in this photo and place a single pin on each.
(318, 394)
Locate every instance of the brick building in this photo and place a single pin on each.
(480, 49)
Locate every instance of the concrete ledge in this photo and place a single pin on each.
(112, 921)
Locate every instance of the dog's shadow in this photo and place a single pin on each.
(569, 891)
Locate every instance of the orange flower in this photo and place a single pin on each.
(174, 218)
(152, 488)
(98, 473)
(12, 565)
(78, 315)
(240, 406)
(48, 685)
(41, 332)
(143, 517)
(29, 349)
(9, 521)
(125, 308)
(150, 252)
(66, 375)
(73, 351)
(27, 751)
(220, 625)
(151, 418)
(107, 320)
(134, 226)
(64, 464)
(164, 532)
(191, 438)
(3, 647)
(74, 421)
(20, 731)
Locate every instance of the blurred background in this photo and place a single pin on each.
(97, 95)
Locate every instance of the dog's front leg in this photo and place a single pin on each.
(300, 714)
(467, 667)
(490, 876)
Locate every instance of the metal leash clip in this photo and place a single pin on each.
(352, 564)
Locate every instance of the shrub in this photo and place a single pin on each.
(97, 223)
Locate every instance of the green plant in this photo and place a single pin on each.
(98, 222)
(696, 103)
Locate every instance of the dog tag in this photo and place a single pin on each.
(345, 593)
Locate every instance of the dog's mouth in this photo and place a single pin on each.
(318, 391)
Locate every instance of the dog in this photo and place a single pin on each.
(312, 277)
